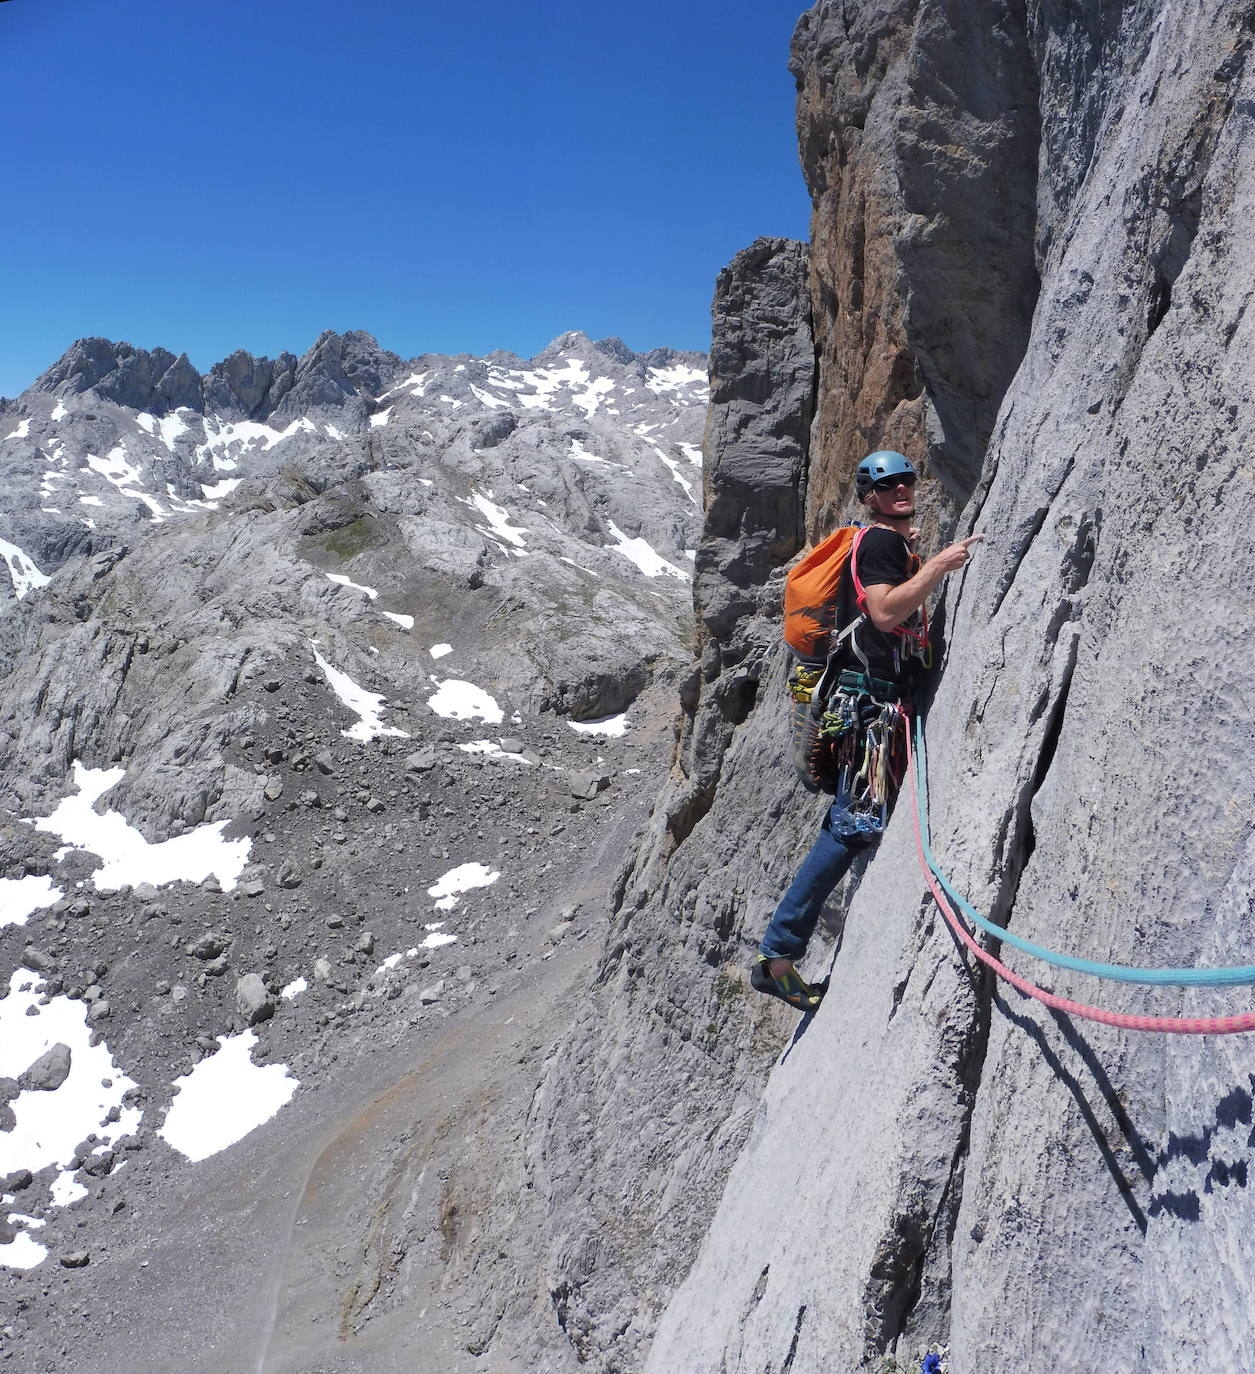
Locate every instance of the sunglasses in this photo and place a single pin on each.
(906, 479)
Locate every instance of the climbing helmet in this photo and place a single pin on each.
(879, 465)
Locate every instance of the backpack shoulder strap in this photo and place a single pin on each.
(860, 592)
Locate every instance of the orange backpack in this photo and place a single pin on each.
(810, 592)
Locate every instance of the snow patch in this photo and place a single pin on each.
(644, 555)
(22, 1252)
(674, 378)
(50, 1125)
(128, 857)
(380, 418)
(168, 428)
(493, 750)
(498, 519)
(439, 650)
(406, 622)
(606, 725)
(674, 467)
(449, 887)
(456, 700)
(117, 470)
(215, 491)
(19, 897)
(356, 586)
(493, 401)
(21, 431)
(25, 575)
(242, 435)
(224, 1098)
(366, 705)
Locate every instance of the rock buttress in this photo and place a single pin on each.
(647, 1102)
(917, 124)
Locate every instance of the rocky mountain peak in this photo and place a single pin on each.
(154, 380)
(247, 387)
(338, 368)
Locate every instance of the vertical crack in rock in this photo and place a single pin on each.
(1023, 839)
(910, 1283)
(1182, 178)
(797, 1332)
(1173, 188)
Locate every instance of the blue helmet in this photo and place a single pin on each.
(883, 463)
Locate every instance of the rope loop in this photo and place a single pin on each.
(944, 893)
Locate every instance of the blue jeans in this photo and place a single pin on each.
(842, 835)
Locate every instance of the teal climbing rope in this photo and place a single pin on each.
(1121, 973)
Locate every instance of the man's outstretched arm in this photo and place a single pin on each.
(888, 606)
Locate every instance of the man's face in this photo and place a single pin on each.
(893, 498)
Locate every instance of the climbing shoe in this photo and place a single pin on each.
(790, 987)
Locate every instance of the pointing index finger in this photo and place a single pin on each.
(971, 539)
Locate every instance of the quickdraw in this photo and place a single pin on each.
(848, 737)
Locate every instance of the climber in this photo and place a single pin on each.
(877, 663)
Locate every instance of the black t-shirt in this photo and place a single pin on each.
(884, 558)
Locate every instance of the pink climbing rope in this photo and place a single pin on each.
(1172, 1025)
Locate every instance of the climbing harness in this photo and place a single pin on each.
(849, 736)
(943, 892)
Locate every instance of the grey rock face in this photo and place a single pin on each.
(762, 369)
(938, 1143)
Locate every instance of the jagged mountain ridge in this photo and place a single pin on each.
(111, 436)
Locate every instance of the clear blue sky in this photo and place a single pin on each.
(451, 177)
